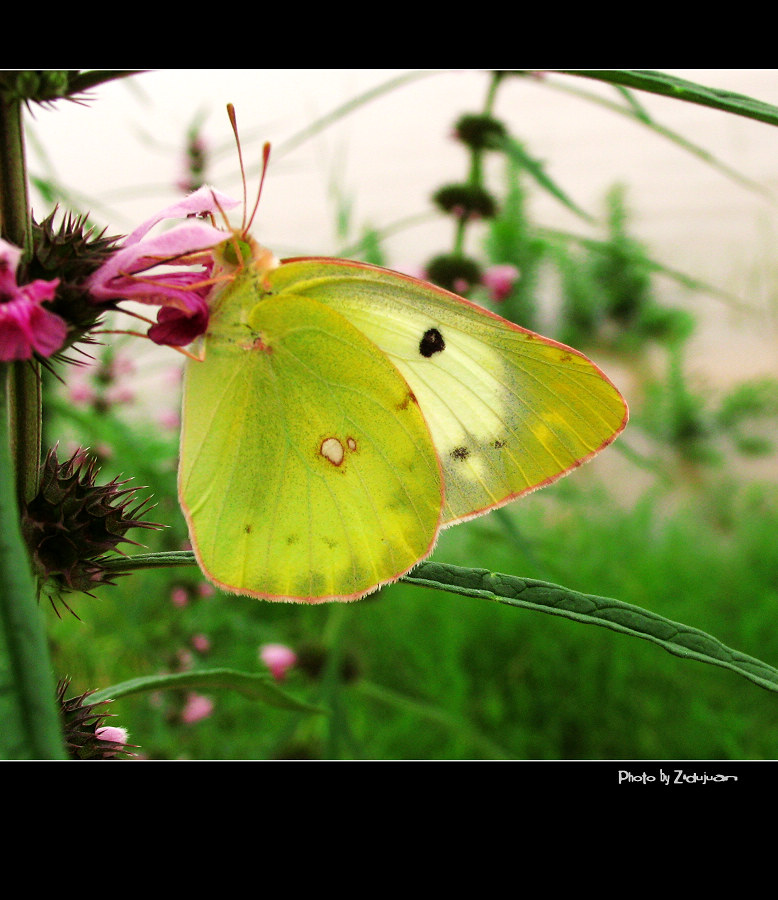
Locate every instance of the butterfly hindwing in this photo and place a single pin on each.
(307, 469)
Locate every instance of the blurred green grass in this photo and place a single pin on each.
(429, 675)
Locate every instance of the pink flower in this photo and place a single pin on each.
(179, 596)
(182, 295)
(25, 326)
(168, 419)
(81, 392)
(112, 733)
(197, 707)
(201, 643)
(500, 280)
(278, 658)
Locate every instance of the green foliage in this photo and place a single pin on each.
(705, 429)
(459, 678)
(511, 238)
(680, 89)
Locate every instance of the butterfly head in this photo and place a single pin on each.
(240, 251)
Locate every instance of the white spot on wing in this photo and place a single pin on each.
(332, 450)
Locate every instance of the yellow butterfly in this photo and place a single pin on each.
(343, 414)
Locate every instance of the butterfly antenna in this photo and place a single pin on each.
(234, 123)
(265, 160)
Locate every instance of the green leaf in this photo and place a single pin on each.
(679, 89)
(633, 110)
(540, 596)
(534, 167)
(256, 687)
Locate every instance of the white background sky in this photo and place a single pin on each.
(123, 154)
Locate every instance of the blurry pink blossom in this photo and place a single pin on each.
(206, 589)
(168, 419)
(26, 327)
(500, 280)
(179, 596)
(278, 658)
(185, 659)
(121, 365)
(197, 707)
(81, 392)
(201, 643)
(119, 393)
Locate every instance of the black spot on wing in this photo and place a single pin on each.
(432, 342)
(460, 453)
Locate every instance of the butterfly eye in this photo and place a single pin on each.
(231, 249)
(432, 342)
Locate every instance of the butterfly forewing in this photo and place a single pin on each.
(508, 410)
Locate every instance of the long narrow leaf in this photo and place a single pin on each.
(634, 111)
(534, 167)
(679, 89)
(540, 596)
(256, 687)
(527, 593)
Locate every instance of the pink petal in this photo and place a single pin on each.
(176, 328)
(205, 200)
(110, 281)
(9, 263)
(197, 708)
(26, 327)
(112, 733)
(500, 280)
(201, 643)
(278, 658)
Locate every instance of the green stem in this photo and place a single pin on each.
(476, 175)
(24, 383)
(491, 94)
(14, 205)
(25, 416)
(29, 720)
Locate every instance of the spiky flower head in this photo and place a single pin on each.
(86, 737)
(71, 252)
(72, 523)
(454, 272)
(46, 86)
(480, 132)
(466, 201)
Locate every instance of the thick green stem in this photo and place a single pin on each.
(14, 205)
(25, 426)
(29, 719)
(25, 386)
